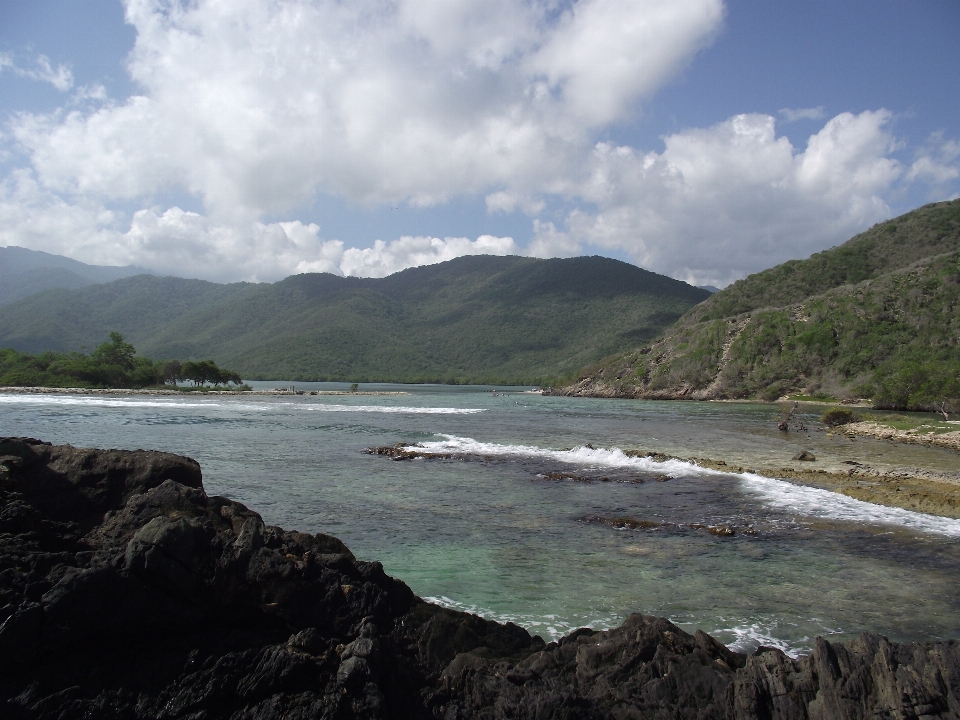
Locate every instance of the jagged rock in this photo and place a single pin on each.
(127, 592)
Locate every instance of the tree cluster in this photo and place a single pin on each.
(917, 385)
(199, 373)
(114, 364)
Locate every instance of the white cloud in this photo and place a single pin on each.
(256, 107)
(60, 77)
(605, 53)
(179, 242)
(816, 113)
(734, 198)
(938, 163)
(387, 258)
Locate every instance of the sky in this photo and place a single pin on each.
(254, 139)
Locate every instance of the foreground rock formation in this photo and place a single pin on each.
(127, 592)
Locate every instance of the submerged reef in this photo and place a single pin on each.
(127, 592)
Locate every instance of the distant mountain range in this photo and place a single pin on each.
(478, 319)
(25, 272)
(878, 316)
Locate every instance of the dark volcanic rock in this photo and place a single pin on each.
(127, 592)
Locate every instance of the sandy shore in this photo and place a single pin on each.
(182, 393)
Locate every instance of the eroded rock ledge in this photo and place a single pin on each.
(127, 592)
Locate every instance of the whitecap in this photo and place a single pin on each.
(779, 495)
(404, 409)
(584, 456)
(549, 627)
(94, 401)
(176, 403)
(814, 502)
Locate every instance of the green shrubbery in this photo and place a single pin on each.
(916, 385)
(839, 416)
(875, 317)
(113, 364)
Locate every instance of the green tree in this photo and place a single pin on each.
(117, 352)
(913, 385)
(171, 372)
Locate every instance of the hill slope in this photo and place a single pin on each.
(871, 316)
(473, 319)
(25, 272)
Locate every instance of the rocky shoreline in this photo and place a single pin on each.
(127, 592)
(917, 489)
(948, 440)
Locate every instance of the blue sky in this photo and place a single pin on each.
(701, 139)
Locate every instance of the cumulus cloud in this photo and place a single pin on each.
(734, 198)
(180, 242)
(387, 258)
(257, 107)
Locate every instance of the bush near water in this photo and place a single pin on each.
(114, 364)
(839, 416)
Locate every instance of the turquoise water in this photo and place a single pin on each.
(508, 520)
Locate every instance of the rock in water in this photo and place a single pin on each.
(127, 592)
(805, 456)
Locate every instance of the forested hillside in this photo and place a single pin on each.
(24, 272)
(878, 316)
(473, 319)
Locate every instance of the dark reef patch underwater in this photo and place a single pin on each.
(128, 592)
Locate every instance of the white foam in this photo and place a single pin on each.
(583, 456)
(817, 503)
(94, 401)
(748, 637)
(164, 403)
(549, 627)
(779, 495)
(389, 409)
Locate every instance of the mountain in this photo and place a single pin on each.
(25, 272)
(473, 319)
(877, 316)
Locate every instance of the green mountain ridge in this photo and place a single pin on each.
(24, 272)
(877, 316)
(473, 319)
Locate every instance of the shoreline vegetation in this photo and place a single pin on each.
(112, 365)
(161, 391)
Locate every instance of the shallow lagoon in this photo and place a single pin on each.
(510, 525)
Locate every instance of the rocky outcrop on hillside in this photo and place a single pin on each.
(127, 592)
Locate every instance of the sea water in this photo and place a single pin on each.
(526, 508)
